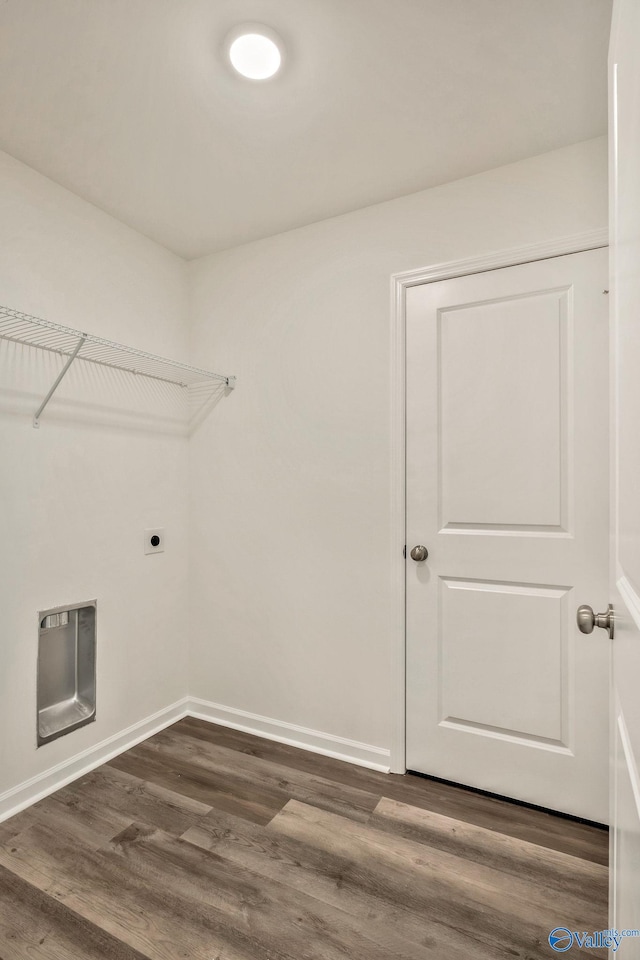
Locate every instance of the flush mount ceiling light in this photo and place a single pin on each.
(254, 51)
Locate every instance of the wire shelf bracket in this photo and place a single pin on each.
(32, 331)
(57, 382)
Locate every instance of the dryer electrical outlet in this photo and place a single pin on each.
(154, 540)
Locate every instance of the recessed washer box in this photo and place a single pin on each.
(66, 669)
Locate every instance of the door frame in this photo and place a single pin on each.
(400, 282)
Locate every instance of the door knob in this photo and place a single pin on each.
(419, 553)
(587, 619)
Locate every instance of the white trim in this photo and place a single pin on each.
(398, 525)
(576, 243)
(630, 761)
(327, 744)
(40, 786)
(630, 598)
(560, 247)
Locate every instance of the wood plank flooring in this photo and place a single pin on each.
(209, 844)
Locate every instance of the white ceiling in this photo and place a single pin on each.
(129, 104)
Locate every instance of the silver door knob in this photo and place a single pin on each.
(587, 619)
(419, 553)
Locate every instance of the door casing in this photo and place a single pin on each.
(575, 243)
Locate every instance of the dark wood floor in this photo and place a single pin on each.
(209, 844)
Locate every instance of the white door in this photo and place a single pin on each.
(507, 488)
(624, 63)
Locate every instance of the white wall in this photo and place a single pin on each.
(290, 486)
(76, 495)
(290, 548)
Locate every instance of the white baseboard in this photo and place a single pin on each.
(327, 744)
(40, 786)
